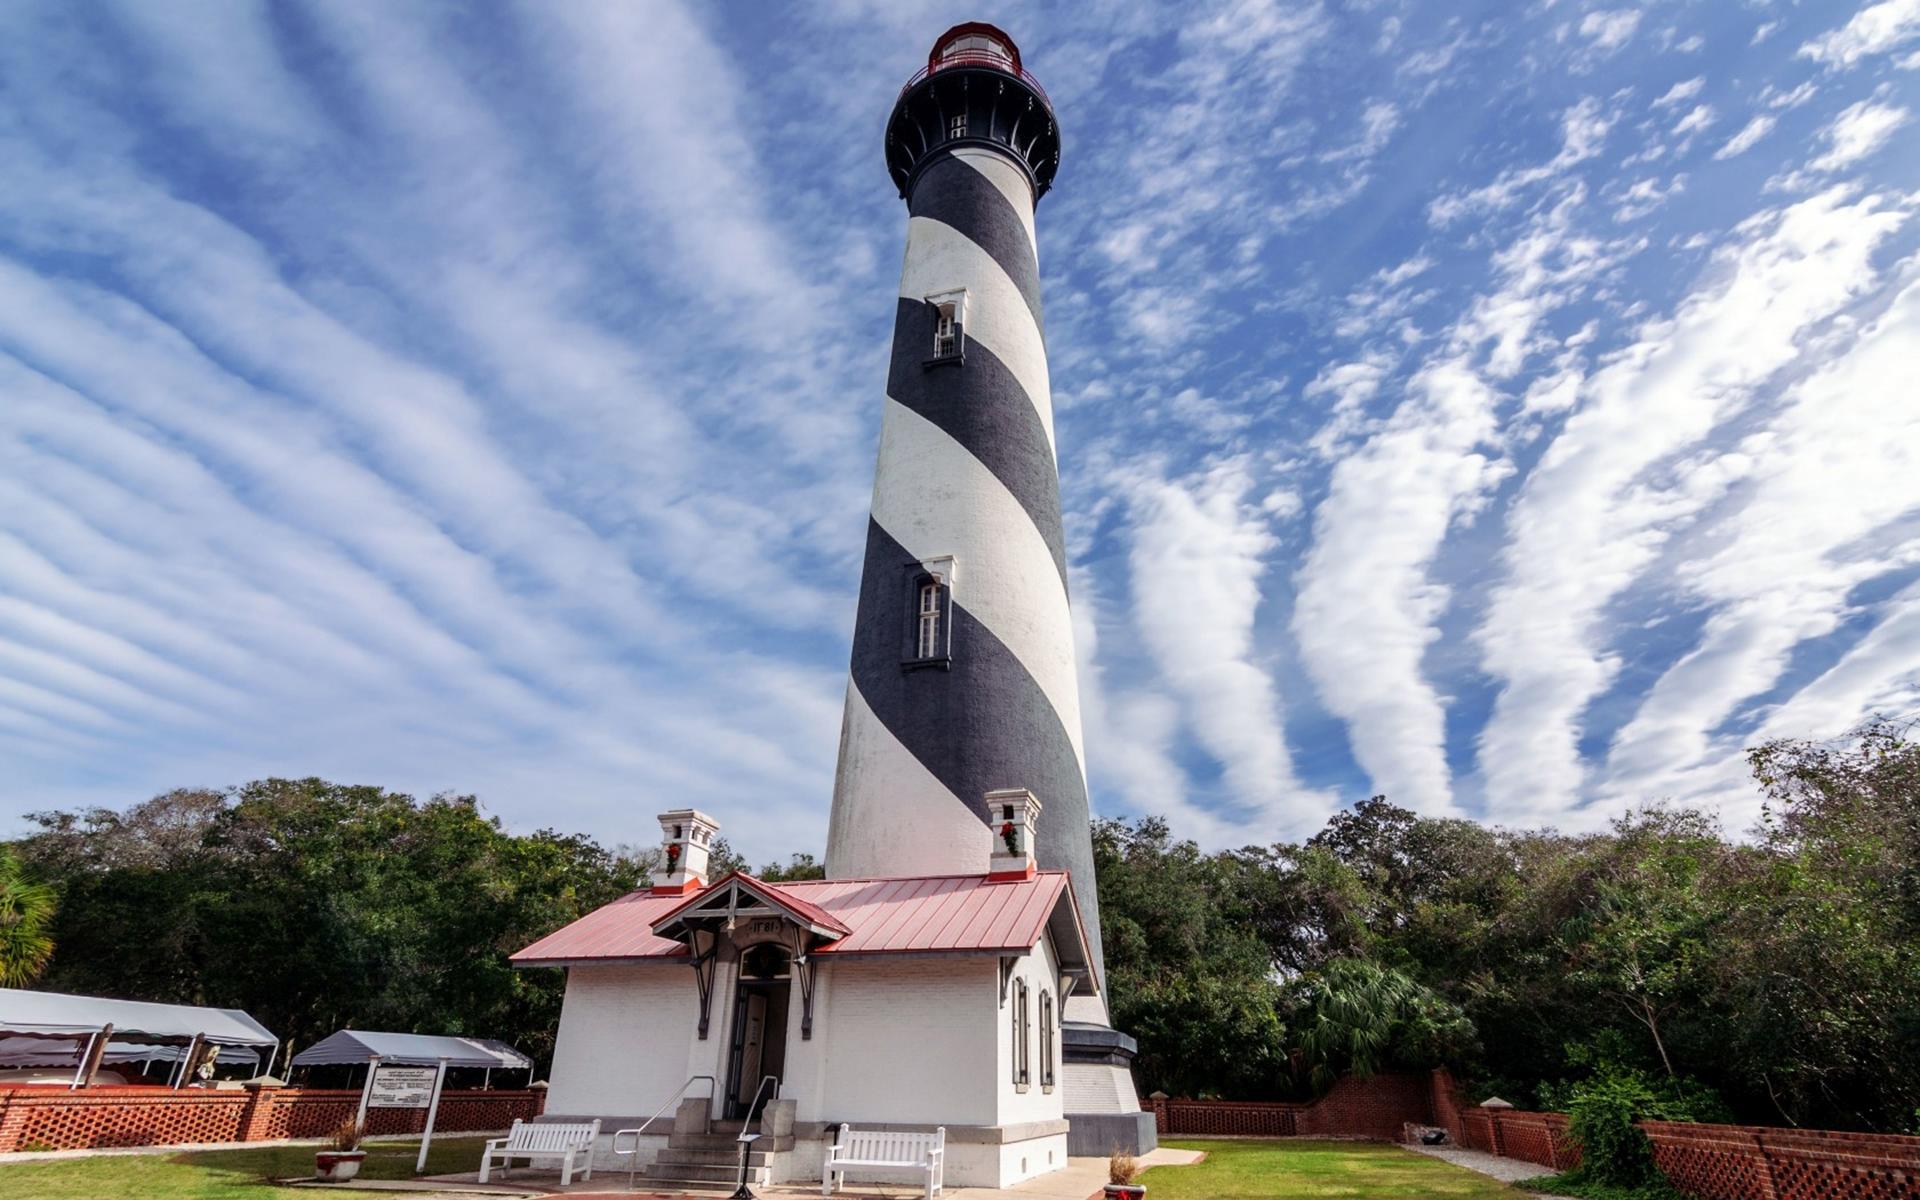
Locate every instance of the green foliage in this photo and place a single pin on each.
(1603, 1109)
(27, 909)
(315, 906)
(1358, 1017)
(1186, 975)
(1572, 1184)
(796, 868)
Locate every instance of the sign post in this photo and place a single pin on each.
(433, 1110)
(366, 1090)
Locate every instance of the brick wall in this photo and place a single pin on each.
(59, 1119)
(1375, 1107)
(1739, 1162)
(1710, 1162)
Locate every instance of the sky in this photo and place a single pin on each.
(1510, 407)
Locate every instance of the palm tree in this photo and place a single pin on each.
(26, 917)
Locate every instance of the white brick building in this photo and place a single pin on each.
(915, 1002)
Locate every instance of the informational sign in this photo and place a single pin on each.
(402, 1087)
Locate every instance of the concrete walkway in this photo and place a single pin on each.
(1079, 1179)
(1506, 1170)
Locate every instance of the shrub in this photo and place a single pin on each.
(1602, 1115)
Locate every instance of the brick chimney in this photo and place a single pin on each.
(1013, 814)
(686, 838)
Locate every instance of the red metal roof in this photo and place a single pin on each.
(913, 914)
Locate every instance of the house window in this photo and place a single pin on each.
(956, 126)
(927, 643)
(1046, 1041)
(1022, 1015)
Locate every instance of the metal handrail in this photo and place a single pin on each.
(747, 1137)
(977, 58)
(633, 1152)
(764, 1081)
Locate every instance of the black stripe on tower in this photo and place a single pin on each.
(953, 193)
(981, 724)
(983, 407)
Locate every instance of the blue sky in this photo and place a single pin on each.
(1512, 407)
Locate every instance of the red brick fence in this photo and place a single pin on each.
(1711, 1162)
(1376, 1107)
(54, 1118)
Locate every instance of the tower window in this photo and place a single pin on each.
(927, 638)
(949, 311)
(927, 642)
(946, 333)
(956, 126)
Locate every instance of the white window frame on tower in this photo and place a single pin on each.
(928, 599)
(956, 126)
(949, 327)
(927, 633)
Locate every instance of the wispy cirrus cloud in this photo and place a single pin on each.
(490, 406)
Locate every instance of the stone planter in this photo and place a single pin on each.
(337, 1166)
(1124, 1191)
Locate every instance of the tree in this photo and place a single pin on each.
(316, 905)
(1358, 1017)
(797, 867)
(26, 914)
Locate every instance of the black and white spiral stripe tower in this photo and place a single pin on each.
(963, 676)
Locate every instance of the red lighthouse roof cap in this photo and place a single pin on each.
(973, 38)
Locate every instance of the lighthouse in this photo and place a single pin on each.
(939, 999)
(962, 680)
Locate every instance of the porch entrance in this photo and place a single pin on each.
(759, 1046)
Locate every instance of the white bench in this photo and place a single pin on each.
(925, 1153)
(545, 1140)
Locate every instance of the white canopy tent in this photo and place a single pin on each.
(57, 1029)
(358, 1046)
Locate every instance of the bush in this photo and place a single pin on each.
(1602, 1115)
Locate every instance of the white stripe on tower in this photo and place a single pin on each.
(935, 499)
(920, 831)
(940, 257)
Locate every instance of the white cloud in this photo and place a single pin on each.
(1368, 606)
(1590, 518)
(1680, 92)
(1875, 29)
(1583, 129)
(1609, 30)
(1645, 196)
(1858, 131)
(1749, 135)
(1802, 537)
(1698, 119)
(1198, 556)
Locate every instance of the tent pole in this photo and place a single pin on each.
(186, 1063)
(90, 1061)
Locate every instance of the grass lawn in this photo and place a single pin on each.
(221, 1174)
(1361, 1170)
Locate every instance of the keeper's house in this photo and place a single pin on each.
(909, 1003)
